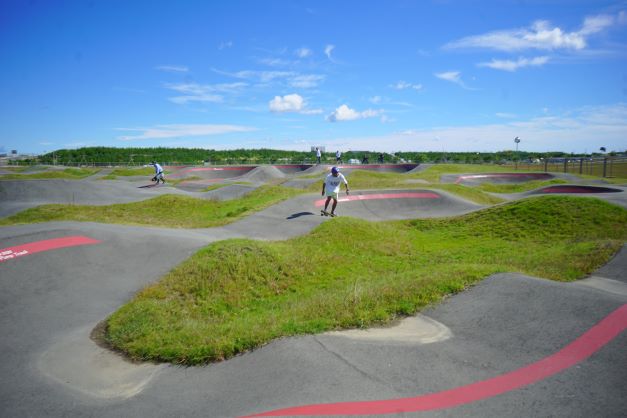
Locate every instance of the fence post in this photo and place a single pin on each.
(546, 165)
(605, 167)
(581, 166)
(565, 165)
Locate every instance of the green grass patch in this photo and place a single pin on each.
(68, 173)
(236, 295)
(168, 210)
(609, 180)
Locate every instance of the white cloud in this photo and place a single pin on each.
(403, 85)
(327, 51)
(175, 131)
(375, 99)
(306, 81)
(303, 52)
(345, 113)
(509, 65)
(288, 103)
(173, 68)
(540, 35)
(291, 103)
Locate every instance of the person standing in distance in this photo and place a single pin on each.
(318, 154)
(331, 189)
(158, 172)
(338, 157)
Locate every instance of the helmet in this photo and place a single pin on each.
(335, 170)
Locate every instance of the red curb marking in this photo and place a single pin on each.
(375, 196)
(367, 166)
(577, 351)
(39, 246)
(219, 168)
(574, 189)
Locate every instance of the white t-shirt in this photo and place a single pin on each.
(158, 168)
(318, 153)
(332, 183)
(338, 154)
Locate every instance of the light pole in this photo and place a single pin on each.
(517, 140)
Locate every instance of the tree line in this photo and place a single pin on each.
(195, 156)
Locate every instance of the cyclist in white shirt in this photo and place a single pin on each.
(331, 189)
(158, 172)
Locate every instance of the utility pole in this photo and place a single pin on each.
(517, 141)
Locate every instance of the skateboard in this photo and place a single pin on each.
(325, 213)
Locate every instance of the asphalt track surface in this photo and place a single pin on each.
(512, 346)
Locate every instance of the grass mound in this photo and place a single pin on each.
(235, 295)
(68, 173)
(168, 210)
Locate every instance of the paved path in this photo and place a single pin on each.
(508, 328)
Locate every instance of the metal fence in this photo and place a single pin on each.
(598, 167)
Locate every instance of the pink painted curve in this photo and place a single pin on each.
(39, 246)
(580, 349)
(376, 196)
(230, 168)
(538, 176)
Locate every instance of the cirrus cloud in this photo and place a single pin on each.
(510, 65)
(540, 35)
(403, 85)
(181, 131)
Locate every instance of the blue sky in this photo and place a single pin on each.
(380, 75)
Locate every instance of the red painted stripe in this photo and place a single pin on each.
(376, 196)
(575, 189)
(366, 166)
(219, 168)
(39, 246)
(577, 351)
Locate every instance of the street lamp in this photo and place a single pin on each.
(517, 140)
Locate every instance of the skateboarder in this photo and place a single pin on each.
(331, 188)
(158, 172)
